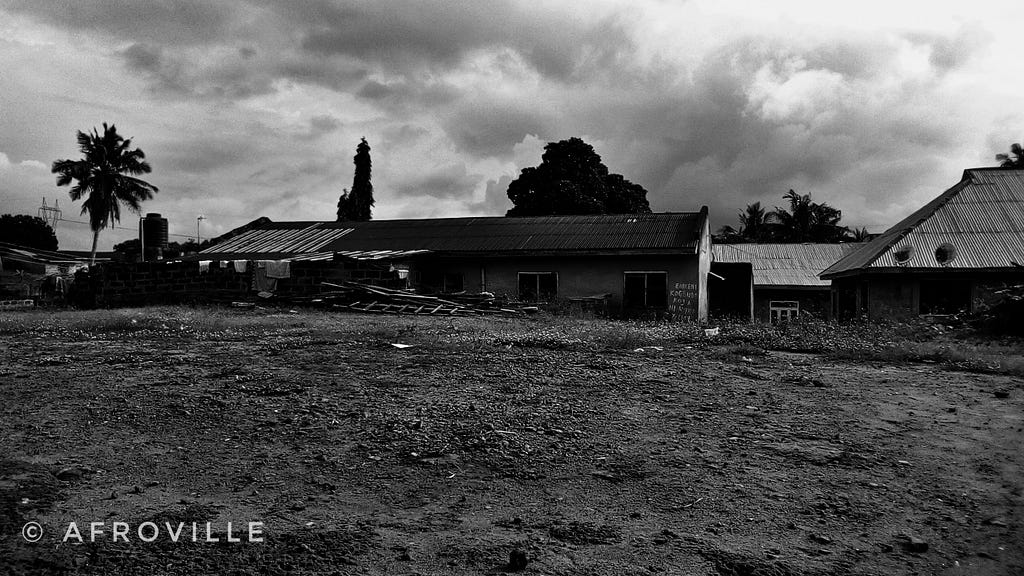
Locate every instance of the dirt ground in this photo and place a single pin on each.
(451, 455)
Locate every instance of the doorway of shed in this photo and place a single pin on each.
(731, 291)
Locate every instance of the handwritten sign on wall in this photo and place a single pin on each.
(682, 301)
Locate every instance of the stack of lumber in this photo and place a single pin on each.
(366, 298)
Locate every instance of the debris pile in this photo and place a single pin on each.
(360, 297)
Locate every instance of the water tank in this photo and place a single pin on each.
(153, 234)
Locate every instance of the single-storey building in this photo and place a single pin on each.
(949, 256)
(772, 282)
(41, 275)
(644, 264)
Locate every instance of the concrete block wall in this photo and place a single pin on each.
(144, 283)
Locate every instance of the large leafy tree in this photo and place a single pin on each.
(1013, 160)
(572, 179)
(357, 204)
(806, 221)
(27, 231)
(106, 177)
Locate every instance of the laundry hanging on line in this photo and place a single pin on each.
(279, 269)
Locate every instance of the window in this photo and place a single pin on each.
(645, 290)
(783, 310)
(534, 286)
(452, 282)
(945, 296)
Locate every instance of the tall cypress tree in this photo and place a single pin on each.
(357, 204)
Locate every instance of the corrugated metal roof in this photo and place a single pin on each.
(664, 231)
(305, 256)
(784, 264)
(982, 217)
(25, 254)
(284, 239)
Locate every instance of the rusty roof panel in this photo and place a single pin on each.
(982, 217)
(785, 264)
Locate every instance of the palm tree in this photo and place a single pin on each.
(1015, 159)
(105, 177)
(806, 221)
(752, 223)
(860, 234)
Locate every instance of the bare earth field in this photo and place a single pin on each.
(491, 438)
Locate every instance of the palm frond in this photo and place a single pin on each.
(104, 177)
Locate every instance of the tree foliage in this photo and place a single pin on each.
(802, 221)
(27, 231)
(106, 178)
(357, 204)
(572, 179)
(1013, 160)
(131, 250)
(807, 221)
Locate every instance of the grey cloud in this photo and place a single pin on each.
(403, 135)
(492, 128)
(204, 155)
(951, 52)
(323, 124)
(700, 142)
(495, 201)
(448, 182)
(373, 90)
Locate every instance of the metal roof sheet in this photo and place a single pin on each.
(784, 264)
(663, 231)
(280, 239)
(305, 256)
(25, 254)
(982, 217)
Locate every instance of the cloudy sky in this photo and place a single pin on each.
(249, 108)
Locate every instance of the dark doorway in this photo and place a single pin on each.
(945, 296)
(730, 290)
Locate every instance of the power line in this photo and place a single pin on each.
(122, 228)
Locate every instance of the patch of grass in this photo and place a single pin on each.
(970, 357)
(737, 351)
(892, 342)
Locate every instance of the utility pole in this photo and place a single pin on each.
(50, 214)
(199, 219)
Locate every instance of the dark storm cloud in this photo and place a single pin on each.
(448, 87)
(150, 62)
(410, 37)
(175, 75)
(171, 21)
(176, 43)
